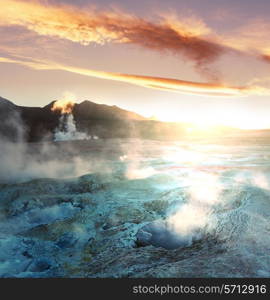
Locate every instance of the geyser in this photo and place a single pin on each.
(67, 130)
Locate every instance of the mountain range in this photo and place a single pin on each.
(39, 123)
(34, 124)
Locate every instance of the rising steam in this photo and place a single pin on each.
(204, 193)
(21, 162)
(67, 130)
(64, 106)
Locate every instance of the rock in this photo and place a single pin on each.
(40, 265)
(26, 254)
(143, 238)
(157, 206)
(67, 240)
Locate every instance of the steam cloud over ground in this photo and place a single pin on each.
(162, 209)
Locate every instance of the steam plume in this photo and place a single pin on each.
(63, 106)
(19, 162)
(67, 129)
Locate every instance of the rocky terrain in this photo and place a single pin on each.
(99, 224)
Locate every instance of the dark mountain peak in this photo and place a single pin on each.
(88, 109)
(7, 103)
(49, 106)
(86, 102)
(91, 104)
(104, 121)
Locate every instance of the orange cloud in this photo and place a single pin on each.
(266, 58)
(170, 84)
(187, 36)
(184, 37)
(252, 37)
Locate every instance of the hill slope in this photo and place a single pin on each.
(33, 124)
(39, 123)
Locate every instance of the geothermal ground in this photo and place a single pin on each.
(136, 208)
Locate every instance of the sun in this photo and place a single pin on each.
(209, 121)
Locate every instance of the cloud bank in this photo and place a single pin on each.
(188, 37)
(184, 37)
(170, 84)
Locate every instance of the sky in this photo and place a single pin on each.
(201, 61)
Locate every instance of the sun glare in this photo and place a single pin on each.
(209, 121)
